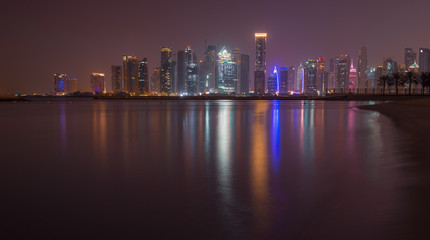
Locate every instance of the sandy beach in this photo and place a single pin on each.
(413, 119)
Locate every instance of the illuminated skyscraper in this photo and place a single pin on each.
(390, 66)
(130, 67)
(211, 59)
(310, 77)
(273, 82)
(182, 72)
(342, 67)
(155, 81)
(166, 71)
(353, 79)
(260, 63)
(410, 57)
(97, 81)
(59, 79)
(321, 81)
(362, 68)
(237, 60)
(287, 79)
(300, 77)
(227, 72)
(143, 85)
(244, 73)
(70, 85)
(116, 78)
(424, 61)
(191, 74)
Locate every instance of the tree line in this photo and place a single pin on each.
(408, 79)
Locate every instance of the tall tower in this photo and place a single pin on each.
(362, 68)
(59, 79)
(260, 63)
(410, 57)
(424, 61)
(143, 85)
(191, 74)
(310, 77)
(342, 68)
(166, 71)
(273, 82)
(227, 72)
(116, 78)
(97, 81)
(130, 73)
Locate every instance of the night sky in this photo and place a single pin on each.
(79, 37)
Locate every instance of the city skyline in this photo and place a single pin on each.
(81, 46)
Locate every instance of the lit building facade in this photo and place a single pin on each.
(353, 79)
(390, 66)
(260, 63)
(362, 68)
(130, 67)
(227, 72)
(143, 84)
(273, 82)
(155, 81)
(166, 71)
(59, 79)
(97, 81)
(342, 68)
(70, 85)
(299, 86)
(191, 74)
(310, 77)
(410, 57)
(244, 73)
(424, 61)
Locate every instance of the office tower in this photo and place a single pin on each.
(283, 80)
(155, 81)
(211, 60)
(97, 81)
(410, 57)
(130, 67)
(203, 81)
(353, 79)
(166, 71)
(260, 63)
(59, 82)
(371, 83)
(143, 83)
(379, 72)
(310, 77)
(362, 68)
(341, 74)
(116, 78)
(292, 76)
(244, 73)
(237, 59)
(227, 72)
(272, 82)
(390, 66)
(70, 85)
(331, 77)
(299, 80)
(424, 61)
(191, 72)
(182, 72)
(320, 74)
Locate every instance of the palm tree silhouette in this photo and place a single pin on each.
(412, 79)
(396, 77)
(382, 81)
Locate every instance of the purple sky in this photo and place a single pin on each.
(79, 37)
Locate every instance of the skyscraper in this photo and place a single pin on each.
(390, 66)
(287, 79)
(237, 60)
(182, 70)
(342, 68)
(155, 81)
(273, 82)
(244, 73)
(362, 68)
(166, 71)
(260, 63)
(424, 61)
(191, 78)
(227, 72)
(143, 85)
(320, 74)
(130, 69)
(310, 77)
(116, 78)
(97, 81)
(353, 77)
(300, 77)
(410, 57)
(70, 85)
(59, 79)
(211, 59)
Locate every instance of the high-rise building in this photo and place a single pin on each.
(362, 68)
(390, 66)
(116, 78)
(97, 81)
(260, 63)
(287, 79)
(211, 59)
(227, 72)
(415, 68)
(237, 59)
(299, 86)
(191, 74)
(182, 72)
(410, 57)
(155, 81)
(166, 71)
(244, 73)
(273, 82)
(203, 80)
(342, 68)
(59, 79)
(424, 61)
(320, 74)
(143, 84)
(70, 85)
(331, 75)
(130, 67)
(371, 77)
(353, 79)
(310, 77)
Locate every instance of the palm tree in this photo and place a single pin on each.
(382, 81)
(390, 83)
(424, 80)
(412, 79)
(396, 77)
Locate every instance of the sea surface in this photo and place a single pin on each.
(199, 170)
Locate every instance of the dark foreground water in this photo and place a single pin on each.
(199, 170)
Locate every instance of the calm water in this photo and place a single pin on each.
(199, 170)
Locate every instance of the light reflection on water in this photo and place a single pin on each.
(212, 169)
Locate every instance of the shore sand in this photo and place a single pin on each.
(412, 117)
